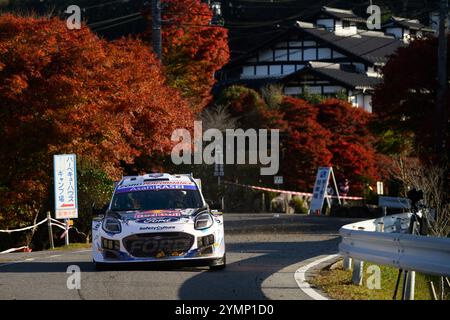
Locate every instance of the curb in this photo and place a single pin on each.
(285, 283)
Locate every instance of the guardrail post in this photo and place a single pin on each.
(410, 284)
(380, 227)
(347, 264)
(357, 276)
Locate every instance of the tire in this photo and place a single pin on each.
(219, 264)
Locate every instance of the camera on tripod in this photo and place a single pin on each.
(415, 196)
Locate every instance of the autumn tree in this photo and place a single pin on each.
(67, 91)
(250, 109)
(305, 145)
(351, 142)
(193, 49)
(405, 102)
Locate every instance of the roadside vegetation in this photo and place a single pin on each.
(337, 284)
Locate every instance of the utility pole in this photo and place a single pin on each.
(156, 27)
(441, 121)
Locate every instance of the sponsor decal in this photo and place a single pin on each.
(158, 185)
(157, 213)
(158, 220)
(156, 228)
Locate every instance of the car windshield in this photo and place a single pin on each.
(156, 200)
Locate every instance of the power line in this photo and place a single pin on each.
(118, 24)
(94, 24)
(104, 4)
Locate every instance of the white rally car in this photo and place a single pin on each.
(158, 217)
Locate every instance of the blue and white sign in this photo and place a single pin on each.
(320, 190)
(65, 175)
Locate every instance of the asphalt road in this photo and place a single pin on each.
(258, 245)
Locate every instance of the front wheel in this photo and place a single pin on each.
(219, 264)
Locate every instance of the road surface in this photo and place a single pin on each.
(258, 245)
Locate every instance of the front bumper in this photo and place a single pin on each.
(158, 243)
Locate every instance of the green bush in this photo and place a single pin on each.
(299, 205)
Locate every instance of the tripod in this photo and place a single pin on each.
(415, 196)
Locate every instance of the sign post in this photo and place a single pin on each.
(65, 176)
(320, 189)
(218, 171)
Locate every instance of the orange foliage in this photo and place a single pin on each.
(193, 50)
(67, 91)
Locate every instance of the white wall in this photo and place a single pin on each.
(361, 100)
(345, 31)
(292, 91)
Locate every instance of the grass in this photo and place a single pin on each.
(72, 246)
(337, 283)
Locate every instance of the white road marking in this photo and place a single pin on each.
(300, 278)
(44, 257)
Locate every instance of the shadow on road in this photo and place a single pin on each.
(242, 279)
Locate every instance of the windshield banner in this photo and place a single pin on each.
(158, 185)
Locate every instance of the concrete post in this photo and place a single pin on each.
(357, 276)
(410, 285)
(380, 227)
(347, 264)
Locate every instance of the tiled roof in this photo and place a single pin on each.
(335, 72)
(409, 24)
(372, 46)
(346, 15)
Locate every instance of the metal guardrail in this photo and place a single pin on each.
(363, 241)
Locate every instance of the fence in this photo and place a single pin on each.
(385, 242)
(50, 223)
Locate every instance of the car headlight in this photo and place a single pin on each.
(112, 225)
(203, 221)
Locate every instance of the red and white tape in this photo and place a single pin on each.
(306, 194)
(24, 249)
(24, 229)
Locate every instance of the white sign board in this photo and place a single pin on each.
(65, 175)
(320, 189)
(278, 179)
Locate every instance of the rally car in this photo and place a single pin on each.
(158, 217)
